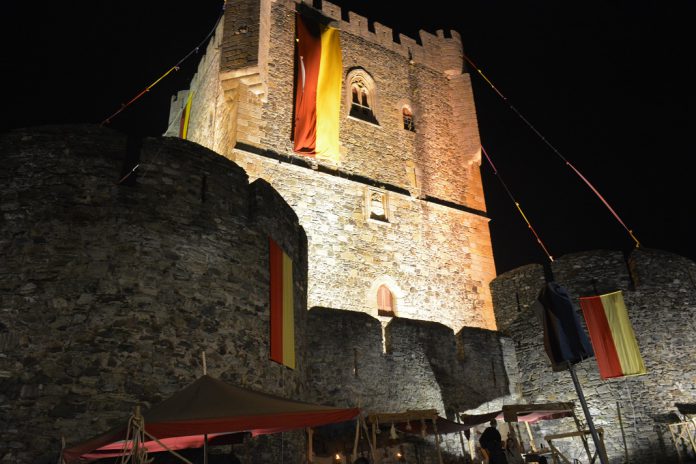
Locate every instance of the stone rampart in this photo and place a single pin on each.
(110, 292)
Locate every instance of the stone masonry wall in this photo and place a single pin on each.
(444, 148)
(109, 293)
(660, 295)
(423, 365)
(430, 256)
(249, 104)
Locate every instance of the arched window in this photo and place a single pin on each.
(362, 91)
(385, 302)
(408, 119)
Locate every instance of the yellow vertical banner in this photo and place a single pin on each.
(329, 95)
(185, 116)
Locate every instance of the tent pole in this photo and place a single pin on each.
(623, 434)
(583, 437)
(310, 445)
(461, 435)
(354, 455)
(532, 444)
(375, 455)
(205, 448)
(595, 437)
(183, 459)
(519, 435)
(437, 441)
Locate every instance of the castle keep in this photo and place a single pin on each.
(400, 212)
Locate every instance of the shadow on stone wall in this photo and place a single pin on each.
(421, 364)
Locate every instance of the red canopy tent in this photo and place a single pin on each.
(212, 409)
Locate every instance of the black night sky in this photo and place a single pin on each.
(608, 83)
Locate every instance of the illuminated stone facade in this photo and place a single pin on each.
(431, 247)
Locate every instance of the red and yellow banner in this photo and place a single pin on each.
(282, 307)
(317, 89)
(611, 332)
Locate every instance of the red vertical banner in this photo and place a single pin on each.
(611, 332)
(308, 61)
(282, 321)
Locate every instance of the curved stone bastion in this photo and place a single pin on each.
(111, 292)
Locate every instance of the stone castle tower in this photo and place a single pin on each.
(397, 225)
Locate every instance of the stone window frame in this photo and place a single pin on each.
(371, 193)
(384, 293)
(363, 108)
(371, 296)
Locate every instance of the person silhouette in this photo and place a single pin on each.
(492, 442)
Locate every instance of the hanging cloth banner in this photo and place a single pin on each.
(185, 116)
(564, 339)
(282, 307)
(611, 332)
(317, 89)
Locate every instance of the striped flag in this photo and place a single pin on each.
(317, 89)
(613, 339)
(282, 307)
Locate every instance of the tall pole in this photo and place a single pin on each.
(623, 434)
(595, 437)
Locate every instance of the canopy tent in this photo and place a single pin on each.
(416, 422)
(526, 413)
(212, 409)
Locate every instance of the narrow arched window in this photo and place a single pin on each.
(408, 119)
(362, 95)
(385, 302)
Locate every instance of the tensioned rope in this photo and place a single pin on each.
(517, 204)
(553, 148)
(173, 68)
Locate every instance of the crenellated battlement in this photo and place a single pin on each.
(433, 50)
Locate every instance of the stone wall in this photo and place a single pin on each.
(109, 292)
(422, 365)
(429, 255)
(660, 294)
(244, 111)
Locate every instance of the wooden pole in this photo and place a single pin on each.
(205, 448)
(532, 444)
(354, 456)
(310, 445)
(519, 436)
(437, 442)
(375, 456)
(623, 434)
(461, 435)
(595, 437)
(183, 459)
(583, 438)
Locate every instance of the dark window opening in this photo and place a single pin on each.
(360, 105)
(408, 120)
